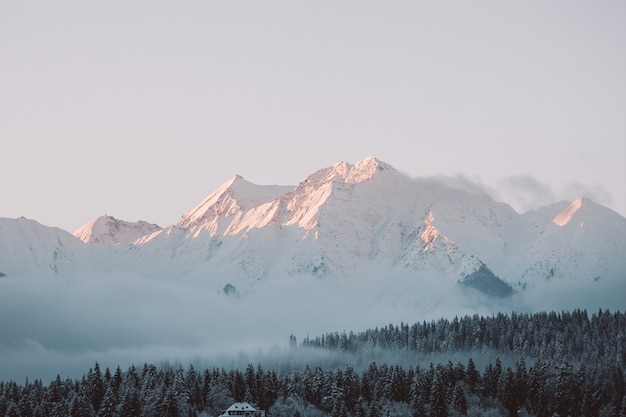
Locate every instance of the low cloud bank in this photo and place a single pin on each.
(64, 325)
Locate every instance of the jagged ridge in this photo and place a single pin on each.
(346, 219)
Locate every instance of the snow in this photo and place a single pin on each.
(430, 233)
(229, 203)
(341, 221)
(108, 230)
(28, 246)
(566, 215)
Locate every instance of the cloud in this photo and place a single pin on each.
(63, 325)
(597, 193)
(472, 185)
(524, 192)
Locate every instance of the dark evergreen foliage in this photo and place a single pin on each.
(574, 335)
(485, 281)
(577, 369)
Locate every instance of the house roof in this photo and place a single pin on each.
(241, 407)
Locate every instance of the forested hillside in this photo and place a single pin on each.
(566, 364)
(571, 336)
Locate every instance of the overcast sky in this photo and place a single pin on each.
(141, 109)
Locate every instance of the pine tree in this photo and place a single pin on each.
(79, 407)
(12, 410)
(194, 389)
(108, 407)
(438, 406)
(537, 398)
(95, 387)
(489, 382)
(506, 391)
(521, 381)
(130, 404)
(351, 390)
(239, 386)
(58, 409)
(131, 379)
(419, 392)
(567, 395)
(116, 382)
(368, 381)
(24, 406)
(459, 402)
(473, 377)
(168, 406)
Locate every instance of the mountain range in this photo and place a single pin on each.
(341, 222)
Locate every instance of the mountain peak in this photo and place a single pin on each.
(566, 215)
(580, 205)
(232, 199)
(363, 171)
(111, 231)
(584, 212)
(234, 180)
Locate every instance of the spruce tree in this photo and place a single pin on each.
(130, 404)
(438, 407)
(95, 387)
(473, 376)
(459, 402)
(108, 407)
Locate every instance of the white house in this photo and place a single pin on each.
(243, 409)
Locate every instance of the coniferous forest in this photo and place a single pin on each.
(546, 364)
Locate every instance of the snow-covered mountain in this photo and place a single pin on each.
(108, 230)
(340, 222)
(581, 239)
(28, 247)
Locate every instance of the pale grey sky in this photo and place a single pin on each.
(140, 109)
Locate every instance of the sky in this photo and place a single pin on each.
(141, 109)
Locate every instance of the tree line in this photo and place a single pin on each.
(574, 336)
(559, 381)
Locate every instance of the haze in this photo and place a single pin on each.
(63, 325)
(140, 109)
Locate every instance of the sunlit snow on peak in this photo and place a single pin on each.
(232, 200)
(108, 230)
(362, 171)
(565, 216)
(430, 233)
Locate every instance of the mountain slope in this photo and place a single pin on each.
(580, 239)
(227, 209)
(28, 246)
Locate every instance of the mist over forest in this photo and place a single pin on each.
(544, 364)
(63, 324)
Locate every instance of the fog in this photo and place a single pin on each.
(63, 325)
(525, 192)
